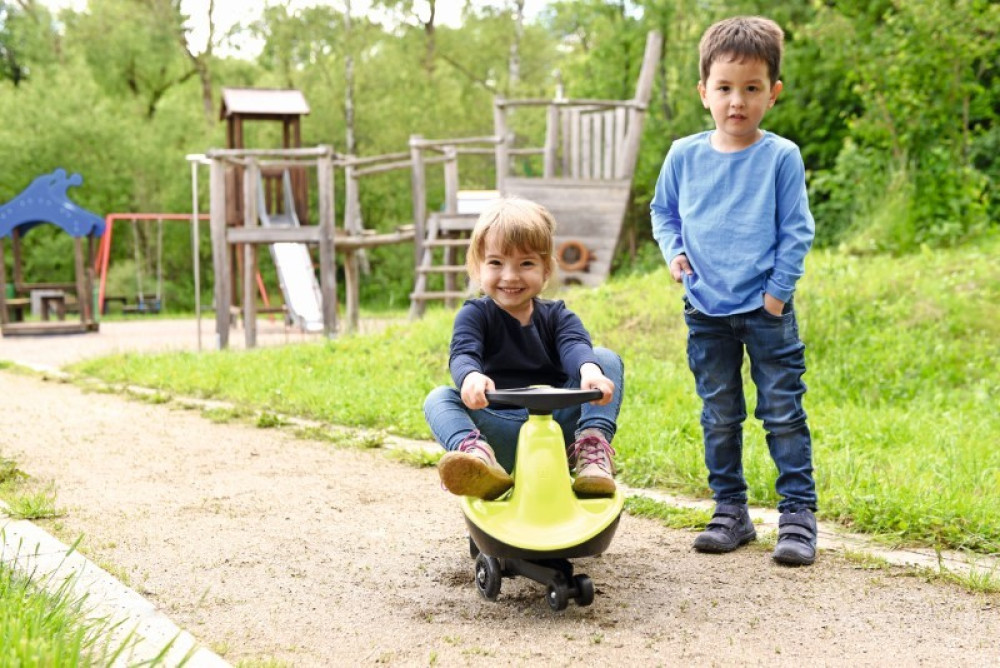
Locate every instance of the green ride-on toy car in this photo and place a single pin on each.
(540, 524)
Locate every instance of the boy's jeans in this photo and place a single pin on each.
(451, 421)
(777, 362)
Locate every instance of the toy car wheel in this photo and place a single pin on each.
(584, 590)
(488, 576)
(557, 597)
(473, 548)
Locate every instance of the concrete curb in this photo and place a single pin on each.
(146, 632)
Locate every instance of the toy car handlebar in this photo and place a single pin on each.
(541, 400)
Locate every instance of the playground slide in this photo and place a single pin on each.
(299, 286)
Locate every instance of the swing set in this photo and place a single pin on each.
(143, 251)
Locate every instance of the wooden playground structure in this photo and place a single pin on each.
(587, 162)
(262, 197)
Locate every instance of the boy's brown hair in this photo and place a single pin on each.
(516, 224)
(739, 38)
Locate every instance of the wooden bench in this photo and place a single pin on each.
(52, 303)
(16, 306)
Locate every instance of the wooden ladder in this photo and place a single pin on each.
(444, 251)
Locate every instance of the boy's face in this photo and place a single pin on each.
(738, 94)
(513, 279)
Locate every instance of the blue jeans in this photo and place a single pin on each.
(451, 421)
(777, 361)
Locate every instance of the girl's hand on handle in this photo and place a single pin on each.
(680, 266)
(591, 378)
(474, 389)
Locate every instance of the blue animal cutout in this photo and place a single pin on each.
(45, 201)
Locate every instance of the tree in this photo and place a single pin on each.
(919, 74)
(27, 39)
(132, 48)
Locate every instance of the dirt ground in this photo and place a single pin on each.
(264, 545)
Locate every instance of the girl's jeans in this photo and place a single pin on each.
(777, 362)
(451, 421)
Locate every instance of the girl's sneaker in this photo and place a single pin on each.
(593, 469)
(472, 470)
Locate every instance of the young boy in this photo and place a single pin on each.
(511, 338)
(732, 219)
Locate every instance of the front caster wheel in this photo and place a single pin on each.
(488, 576)
(584, 590)
(556, 596)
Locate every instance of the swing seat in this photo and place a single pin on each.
(143, 307)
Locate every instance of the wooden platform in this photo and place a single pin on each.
(589, 212)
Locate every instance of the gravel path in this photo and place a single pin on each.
(264, 545)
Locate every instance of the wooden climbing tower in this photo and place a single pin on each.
(588, 161)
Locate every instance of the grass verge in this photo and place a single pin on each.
(902, 372)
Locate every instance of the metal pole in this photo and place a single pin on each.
(194, 243)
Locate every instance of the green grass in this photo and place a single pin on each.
(39, 628)
(24, 497)
(902, 373)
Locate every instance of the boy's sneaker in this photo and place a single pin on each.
(729, 528)
(472, 470)
(796, 538)
(590, 458)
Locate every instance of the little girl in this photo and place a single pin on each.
(511, 338)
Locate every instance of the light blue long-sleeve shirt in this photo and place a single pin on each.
(742, 219)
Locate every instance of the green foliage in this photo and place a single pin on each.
(919, 75)
(894, 105)
(27, 39)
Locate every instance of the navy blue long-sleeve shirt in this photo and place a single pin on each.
(547, 351)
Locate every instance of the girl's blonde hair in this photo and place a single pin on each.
(515, 224)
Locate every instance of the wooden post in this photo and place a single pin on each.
(327, 249)
(220, 251)
(643, 90)
(82, 298)
(500, 130)
(352, 203)
(450, 207)
(15, 244)
(551, 141)
(354, 260)
(3, 284)
(567, 147)
(251, 180)
(621, 119)
(586, 132)
(89, 276)
(419, 186)
(608, 146)
(352, 290)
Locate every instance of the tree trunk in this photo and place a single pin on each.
(351, 147)
(514, 60)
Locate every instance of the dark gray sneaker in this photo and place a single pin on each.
(796, 538)
(729, 528)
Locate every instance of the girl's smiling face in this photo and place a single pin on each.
(738, 93)
(512, 279)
